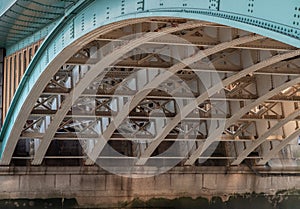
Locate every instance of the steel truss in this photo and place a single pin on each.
(141, 92)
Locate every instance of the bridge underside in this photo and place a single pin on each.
(176, 91)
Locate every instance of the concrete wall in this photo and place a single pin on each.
(93, 186)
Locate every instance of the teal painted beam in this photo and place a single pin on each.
(276, 19)
(31, 39)
(34, 69)
(22, 19)
(262, 14)
(255, 16)
(5, 5)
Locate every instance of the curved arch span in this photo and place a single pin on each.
(212, 138)
(92, 73)
(264, 137)
(53, 53)
(268, 156)
(130, 105)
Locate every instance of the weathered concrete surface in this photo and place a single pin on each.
(92, 186)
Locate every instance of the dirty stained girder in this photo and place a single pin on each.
(231, 95)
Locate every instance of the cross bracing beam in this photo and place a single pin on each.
(244, 98)
(134, 115)
(42, 82)
(155, 82)
(264, 136)
(138, 114)
(92, 73)
(134, 65)
(121, 137)
(162, 95)
(147, 153)
(200, 150)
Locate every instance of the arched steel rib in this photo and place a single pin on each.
(264, 137)
(133, 101)
(93, 73)
(188, 108)
(44, 79)
(212, 138)
(268, 156)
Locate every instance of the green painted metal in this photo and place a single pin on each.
(22, 18)
(31, 39)
(263, 14)
(251, 15)
(5, 5)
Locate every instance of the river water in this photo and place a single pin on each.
(248, 201)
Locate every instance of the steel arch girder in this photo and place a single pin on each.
(188, 108)
(264, 137)
(227, 13)
(41, 82)
(249, 16)
(92, 73)
(154, 83)
(268, 156)
(200, 150)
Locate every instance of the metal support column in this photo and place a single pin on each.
(2, 55)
